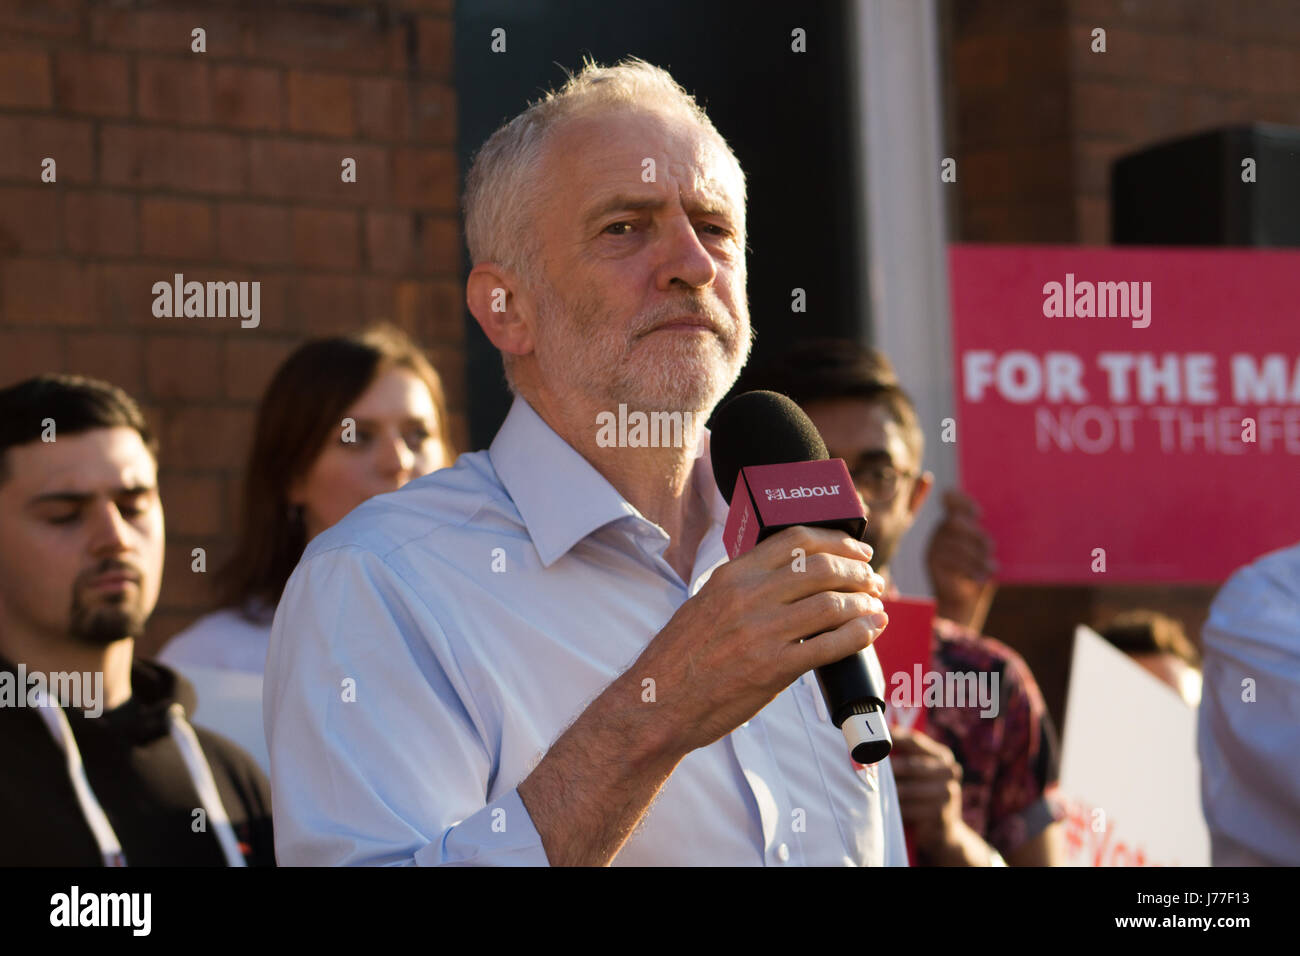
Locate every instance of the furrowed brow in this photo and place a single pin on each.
(620, 204)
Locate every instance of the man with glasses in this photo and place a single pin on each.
(975, 790)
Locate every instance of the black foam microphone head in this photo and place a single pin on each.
(760, 428)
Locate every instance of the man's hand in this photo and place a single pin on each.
(725, 654)
(929, 793)
(732, 648)
(960, 561)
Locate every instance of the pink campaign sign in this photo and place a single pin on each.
(1128, 415)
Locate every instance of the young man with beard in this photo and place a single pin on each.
(976, 789)
(509, 661)
(102, 768)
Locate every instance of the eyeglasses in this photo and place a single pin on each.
(879, 482)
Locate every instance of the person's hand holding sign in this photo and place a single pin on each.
(960, 563)
(929, 794)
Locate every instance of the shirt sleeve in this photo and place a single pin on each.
(375, 757)
(1023, 804)
(1249, 715)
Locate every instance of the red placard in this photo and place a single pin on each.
(904, 653)
(1128, 415)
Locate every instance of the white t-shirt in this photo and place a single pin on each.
(223, 655)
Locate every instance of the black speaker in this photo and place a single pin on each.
(1190, 192)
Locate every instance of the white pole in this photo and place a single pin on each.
(899, 111)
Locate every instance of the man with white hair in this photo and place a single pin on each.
(511, 660)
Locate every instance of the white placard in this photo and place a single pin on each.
(1129, 769)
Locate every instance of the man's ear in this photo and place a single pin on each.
(497, 300)
(920, 491)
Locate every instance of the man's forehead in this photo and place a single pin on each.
(607, 153)
(103, 459)
(858, 426)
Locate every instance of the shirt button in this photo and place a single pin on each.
(783, 853)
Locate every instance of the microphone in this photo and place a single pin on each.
(771, 464)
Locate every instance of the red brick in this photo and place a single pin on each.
(1275, 109)
(1258, 20)
(326, 239)
(124, 293)
(184, 589)
(246, 97)
(1273, 69)
(46, 292)
(166, 30)
(432, 311)
(175, 229)
(1120, 110)
(981, 62)
(1022, 114)
(378, 298)
(174, 89)
(113, 356)
(253, 234)
(425, 179)
(99, 224)
(321, 103)
(383, 109)
(192, 504)
(1093, 162)
(1135, 55)
(1094, 220)
(440, 245)
(995, 16)
(434, 49)
(53, 18)
(206, 437)
(426, 6)
(1167, 14)
(25, 79)
(359, 39)
(327, 305)
(390, 242)
(435, 114)
(190, 162)
(450, 364)
(1219, 64)
(95, 83)
(28, 352)
(28, 140)
(29, 219)
(251, 361)
(184, 365)
(313, 171)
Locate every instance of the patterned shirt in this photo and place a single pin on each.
(1008, 761)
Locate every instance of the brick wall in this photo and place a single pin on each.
(223, 165)
(1036, 118)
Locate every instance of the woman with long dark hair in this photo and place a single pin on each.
(343, 419)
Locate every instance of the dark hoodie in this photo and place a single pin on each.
(137, 772)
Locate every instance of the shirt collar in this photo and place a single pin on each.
(560, 496)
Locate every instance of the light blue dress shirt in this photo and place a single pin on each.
(430, 648)
(1250, 748)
